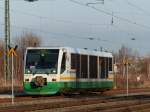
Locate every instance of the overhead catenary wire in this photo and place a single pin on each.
(57, 20)
(88, 5)
(54, 33)
(110, 14)
(71, 36)
(60, 20)
(126, 12)
(70, 21)
(65, 21)
(137, 7)
(68, 36)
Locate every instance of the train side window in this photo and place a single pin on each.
(93, 66)
(102, 68)
(110, 64)
(106, 67)
(75, 63)
(84, 66)
(63, 63)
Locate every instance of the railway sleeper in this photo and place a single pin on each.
(131, 108)
(109, 106)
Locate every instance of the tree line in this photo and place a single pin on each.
(139, 67)
(23, 41)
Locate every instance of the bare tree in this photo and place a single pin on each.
(123, 53)
(26, 40)
(1, 61)
(139, 67)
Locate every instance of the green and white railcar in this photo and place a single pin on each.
(51, 70)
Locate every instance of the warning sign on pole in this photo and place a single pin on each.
(12, 53)
(126, 62)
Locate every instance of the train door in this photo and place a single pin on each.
(75, 66)
(104, 67)
(110, 68)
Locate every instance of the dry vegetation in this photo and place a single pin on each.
(139, 68)
(26, 40)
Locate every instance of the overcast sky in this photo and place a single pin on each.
(68, 23)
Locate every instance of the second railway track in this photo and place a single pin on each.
(81, 104)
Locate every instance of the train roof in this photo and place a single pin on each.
(78, 51)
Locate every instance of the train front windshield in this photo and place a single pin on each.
(41, 61)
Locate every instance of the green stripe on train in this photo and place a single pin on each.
(55, 87)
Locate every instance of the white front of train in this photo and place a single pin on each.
(41, 66)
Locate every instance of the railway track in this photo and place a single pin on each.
(120, 106)
(107, 102)
(82, 104)
(20, 95)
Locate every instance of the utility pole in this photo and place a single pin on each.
(127, 67)
(7, 40)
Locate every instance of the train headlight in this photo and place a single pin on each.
(26, 80)
(28, 71)
(53, 71)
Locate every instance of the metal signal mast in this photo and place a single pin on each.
(7, 39)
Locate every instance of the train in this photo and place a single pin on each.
(54, 70)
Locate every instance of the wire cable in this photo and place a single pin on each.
(110, 14)
(137, 7)
(57, 20)
(54, 33)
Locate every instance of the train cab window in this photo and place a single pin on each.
(84, 66)
(93, 67)
(42, 61)
(63, 63)
(75, 63)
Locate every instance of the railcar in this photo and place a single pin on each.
(52, 70)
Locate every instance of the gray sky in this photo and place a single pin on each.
(66, 23)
